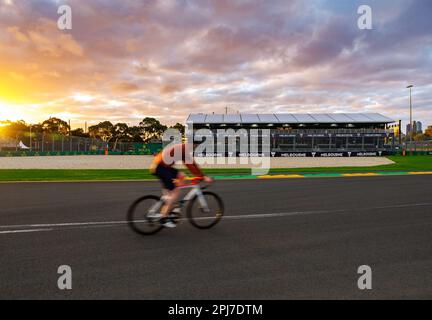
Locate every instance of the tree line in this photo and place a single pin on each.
(148, 130)
(427, 135)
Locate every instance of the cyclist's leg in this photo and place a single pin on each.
(172, 193)
(180, 178)
(170, 201)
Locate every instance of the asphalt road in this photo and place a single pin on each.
(316, 234)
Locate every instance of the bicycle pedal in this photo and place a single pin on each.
(174, 217)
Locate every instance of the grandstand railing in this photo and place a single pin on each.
(334, 131)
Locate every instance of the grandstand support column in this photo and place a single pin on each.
(363, 138)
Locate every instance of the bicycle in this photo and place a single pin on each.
(204, 209)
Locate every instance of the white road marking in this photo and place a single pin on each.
(70, 224)
(54, 226)
(25, 231)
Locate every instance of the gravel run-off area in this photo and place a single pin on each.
(143, 162)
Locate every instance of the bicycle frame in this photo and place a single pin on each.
(194, 192)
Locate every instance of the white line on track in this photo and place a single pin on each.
(25, 228)
(24, 231)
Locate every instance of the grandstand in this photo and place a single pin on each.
(299, 135)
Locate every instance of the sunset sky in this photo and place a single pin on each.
(125, 60)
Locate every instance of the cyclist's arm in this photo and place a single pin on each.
(190, 163)
(195, 169)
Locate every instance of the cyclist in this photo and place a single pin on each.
(171, 178)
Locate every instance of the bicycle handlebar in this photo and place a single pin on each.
(195, 181)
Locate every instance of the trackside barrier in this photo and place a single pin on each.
(76, 153)
(414, 153)
(139, 152)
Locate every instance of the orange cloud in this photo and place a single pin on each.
(125, 87)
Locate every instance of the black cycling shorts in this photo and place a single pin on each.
(167, 175)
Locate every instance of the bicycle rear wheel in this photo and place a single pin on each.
(205, 215)
(142, 215)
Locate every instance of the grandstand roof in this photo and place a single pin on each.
(287, 118)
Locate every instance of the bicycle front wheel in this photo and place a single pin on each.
(144, 215)
(206, 211)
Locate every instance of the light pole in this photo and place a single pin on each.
(411, 122)
(30, 126)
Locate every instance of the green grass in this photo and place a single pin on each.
(72, 175)
(402, 164)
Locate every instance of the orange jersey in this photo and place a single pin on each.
(172, 154)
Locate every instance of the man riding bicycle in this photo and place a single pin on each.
(171, 178)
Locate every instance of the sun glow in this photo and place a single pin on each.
(9, 111)
(4, 111)
(80, 97)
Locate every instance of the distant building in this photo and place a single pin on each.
(417, 128)
(395, 127)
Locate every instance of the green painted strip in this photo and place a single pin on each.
(393, 173)
(322, 175)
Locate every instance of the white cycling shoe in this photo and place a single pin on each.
(154, 216)
(167, 223)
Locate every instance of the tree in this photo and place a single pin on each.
(428, 132)
(151, 129)
(120, 132)
(37, 128)
(419, 137)
(180, 128)
(135, 134)
(55, 125)
(79, 132)
(15, 130)
(103, 131)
